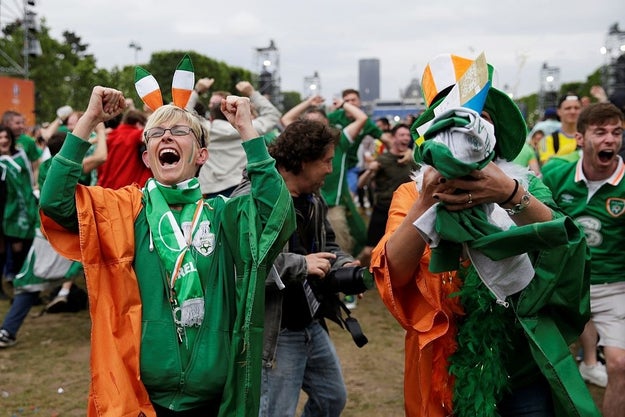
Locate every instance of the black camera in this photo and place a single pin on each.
(349, 280)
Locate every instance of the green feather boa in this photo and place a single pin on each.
(481, 379)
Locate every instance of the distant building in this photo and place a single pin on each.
(369, 79)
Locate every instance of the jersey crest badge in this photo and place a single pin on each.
(615, 206)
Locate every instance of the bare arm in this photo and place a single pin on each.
(405, 246)
(62, 113)
(294, 113)
(360, 118)
(599, 93)
(48, 131)
(369, 174)
(535, 167)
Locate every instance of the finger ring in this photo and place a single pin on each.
(470, 200)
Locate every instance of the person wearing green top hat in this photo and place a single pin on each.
(488, 278)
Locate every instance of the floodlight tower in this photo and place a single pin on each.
(613, 74)
(268, 64)
(549, 87)
(31, 46)
(312, 85)
(134, 45)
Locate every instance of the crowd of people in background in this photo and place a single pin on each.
(352, 181)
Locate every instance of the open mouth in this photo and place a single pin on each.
(168, 157)
(606, 156)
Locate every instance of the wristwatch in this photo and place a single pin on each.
(520, 206)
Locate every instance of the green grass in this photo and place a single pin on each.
(52, 354)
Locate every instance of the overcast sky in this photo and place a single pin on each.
(331, 36)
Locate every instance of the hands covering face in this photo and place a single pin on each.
(488, 185)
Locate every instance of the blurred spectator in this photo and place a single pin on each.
(388, 173)
(562, 141)
(223, 171)
(124, 164)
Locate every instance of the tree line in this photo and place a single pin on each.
(66, 72)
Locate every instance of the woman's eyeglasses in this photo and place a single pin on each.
(158, 132)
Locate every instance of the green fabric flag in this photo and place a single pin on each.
(20, 211)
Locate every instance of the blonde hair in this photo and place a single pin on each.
(170, 114)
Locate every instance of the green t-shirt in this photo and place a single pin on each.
(602, 216)
(29, 145)
(526, 155)
(339, 120)
(335, 183)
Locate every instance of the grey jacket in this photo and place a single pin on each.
(290, 268)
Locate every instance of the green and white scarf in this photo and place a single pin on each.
(173, 243)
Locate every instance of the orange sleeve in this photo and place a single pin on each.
(424, 309)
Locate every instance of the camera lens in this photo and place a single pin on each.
(350, 280)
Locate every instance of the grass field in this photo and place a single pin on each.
(46, 374)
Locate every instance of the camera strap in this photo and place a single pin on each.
(352, 326)
(313, 303)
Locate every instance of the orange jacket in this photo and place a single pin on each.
(424, 310)
(105, 246)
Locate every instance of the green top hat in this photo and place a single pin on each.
(510, 127)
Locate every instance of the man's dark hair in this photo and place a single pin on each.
(114, 122)
(314, 110)
(384, 121)
(200, 109)
(134, 116)
(350, 91)
(399, 126)
(302, 141)
(214, 109)
(598, 114)
(55, 142)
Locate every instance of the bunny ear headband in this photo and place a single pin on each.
(181, 87)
